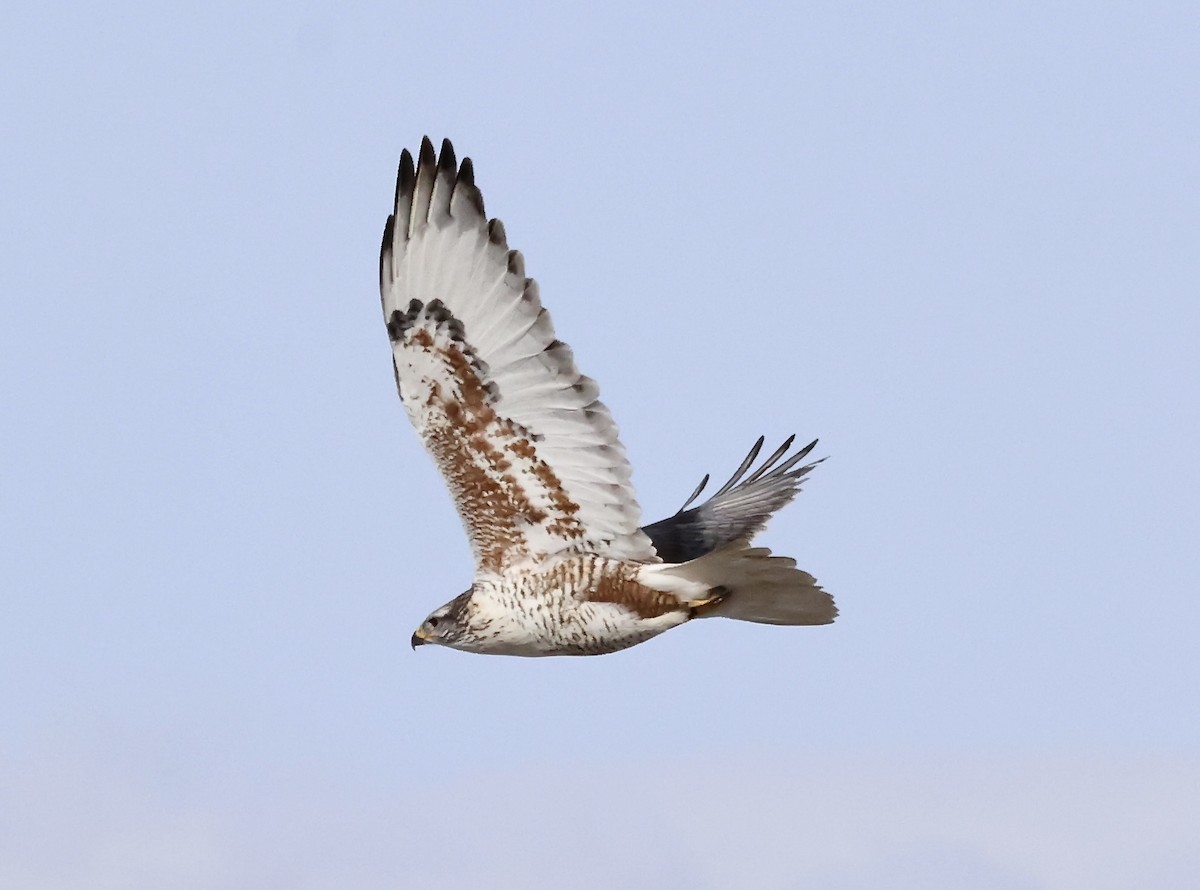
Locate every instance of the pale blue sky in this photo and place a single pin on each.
(960, 243)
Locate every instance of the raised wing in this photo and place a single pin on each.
(528, 451)
(738, 510)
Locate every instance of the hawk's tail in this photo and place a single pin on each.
(753, 584)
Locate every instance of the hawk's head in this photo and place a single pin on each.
(448, 625)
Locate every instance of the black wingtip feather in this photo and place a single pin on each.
(695, 494)
(385, 252)
(406, 176)
(447, 164)
(426, 158)
(466, 184)
(466, 173)
(770, 461)
(741, 470)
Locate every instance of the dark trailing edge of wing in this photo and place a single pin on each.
(738, 510)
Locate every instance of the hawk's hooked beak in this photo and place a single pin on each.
(418, 639)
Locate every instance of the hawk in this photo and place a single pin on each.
(533, 463)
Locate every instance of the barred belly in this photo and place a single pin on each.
(579, 605)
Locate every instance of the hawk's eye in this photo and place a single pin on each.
(433, 621)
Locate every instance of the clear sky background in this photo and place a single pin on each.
(960, 243)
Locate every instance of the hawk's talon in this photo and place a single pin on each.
(697, 608)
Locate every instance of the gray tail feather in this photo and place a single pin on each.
(738, 510)
(757, 586)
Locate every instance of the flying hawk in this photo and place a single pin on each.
(533, 463)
